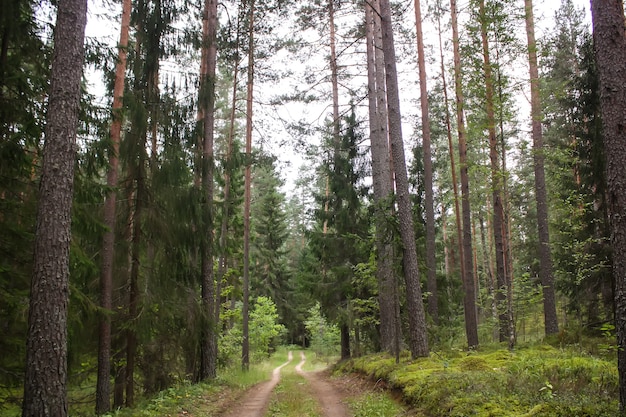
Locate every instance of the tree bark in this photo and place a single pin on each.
(469, 300)
(245, 351)
(208, 339)
(103, 385)
(455, 186)
(136, 213)
(431, 261)
(496, 184)
(382, 188)
(610, 51)
(418, 338)
(551, 323)
(45, 385)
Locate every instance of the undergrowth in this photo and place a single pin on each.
(538, 380)
(199, 400)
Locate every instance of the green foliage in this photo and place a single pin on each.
(265, 333)
(575, 164)
(534, 380)
(264, 328)
(200, 400)
(324, 337)
(375, 405)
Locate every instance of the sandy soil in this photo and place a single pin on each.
(326, 393)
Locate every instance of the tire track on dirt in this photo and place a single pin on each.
(325, 393)
(256, 399)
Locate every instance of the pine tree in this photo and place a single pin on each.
(381, 178)
(545, 258)
(610, 48)
(431, 272)
(418, 338)
(45, 386)
(208, 338)
(103, 400)
(245, 351)
(469, 300)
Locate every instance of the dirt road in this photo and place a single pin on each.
(325, 393)
(255, 401)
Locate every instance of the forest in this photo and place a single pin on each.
(187, 186)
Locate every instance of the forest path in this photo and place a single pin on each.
(327, 395)
(256, 400)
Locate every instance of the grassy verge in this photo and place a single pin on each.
(535, 380)
(204, 399)
(377, 404)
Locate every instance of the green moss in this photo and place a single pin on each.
(537, 380)
(474, 363)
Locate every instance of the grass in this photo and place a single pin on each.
(292, 396)
(534, 380)
(375, 405)
(204, 399)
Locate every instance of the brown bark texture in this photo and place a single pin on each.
(245, 351)
(610, 51)
(496, 186)
(455, 186)
(45, 385)
(551, 323)
(103, 384)
(382, 189)
(469, 299)
(208, 337)
(431, 261)
(418, 337)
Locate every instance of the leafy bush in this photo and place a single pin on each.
(264, 333)
(325, 337)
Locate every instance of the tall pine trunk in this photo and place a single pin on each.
(103, 385)
(431, 262)
(208, 333)
(551, 323)
(136, 213)
(455, 184)
(610, 51)
(245, 351)
(382, 187)
(418, 337)
(228, 170)
(45, 385)
(469, 299)
(496, 187)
